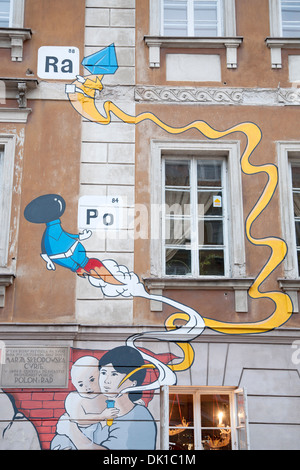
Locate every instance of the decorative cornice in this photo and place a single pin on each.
(71, 334)
(218, 96)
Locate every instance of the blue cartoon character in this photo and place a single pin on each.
(60, 247)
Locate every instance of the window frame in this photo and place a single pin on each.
(195, 217)
(236, 248)
(197, 391)
(276, 41)
(155, 40)
(287, 153)
(191, 19)
(15, 34)
(7, 143)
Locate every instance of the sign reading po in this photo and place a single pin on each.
(58, 62)
(100, 212)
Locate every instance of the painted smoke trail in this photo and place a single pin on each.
(133, 287)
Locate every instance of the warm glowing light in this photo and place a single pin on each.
(220, 417)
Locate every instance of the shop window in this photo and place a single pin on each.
(206, 418)
(192, 18)
(195, 217)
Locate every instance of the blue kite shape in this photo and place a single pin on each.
(103, 62)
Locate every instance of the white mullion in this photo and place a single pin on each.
(163, 228)
(11, 9)
(194, 217)
(197, 421)
(190, 18)
(225, 218)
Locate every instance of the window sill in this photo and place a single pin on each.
(13, 38)
(240, 286)
(155, 43)
(291, 287)
(278, 43)
(6, 280)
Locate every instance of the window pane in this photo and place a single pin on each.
(216, 439)
(181, 410)
(4, 13)
(206, 18)
(212, 231)
(297, 226)
(215, 411)
(211, 262)
(178, 262)
(182, 441)
(177, 231)
(209, 174)
(296, 176)
(211, 202)
(177, 202)
(296, 198)
(175, 18)
(290, 12)
(177, 174)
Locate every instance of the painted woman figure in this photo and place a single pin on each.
(134, 427)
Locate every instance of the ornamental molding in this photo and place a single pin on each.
(218, 96)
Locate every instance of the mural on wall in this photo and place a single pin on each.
(100, 395)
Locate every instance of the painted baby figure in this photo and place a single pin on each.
(60, 247)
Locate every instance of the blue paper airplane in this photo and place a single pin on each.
(103, 62)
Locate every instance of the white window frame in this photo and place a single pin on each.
(190, 16)
(155, 40)
(237, 263)
(7, 145)
(194, 216)
(276, 42)
(238, 280)
(288, 153)
(236, 423)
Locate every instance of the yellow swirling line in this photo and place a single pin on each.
(84, 103)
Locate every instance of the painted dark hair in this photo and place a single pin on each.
(124, 360)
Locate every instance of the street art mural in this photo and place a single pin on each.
(114, 385)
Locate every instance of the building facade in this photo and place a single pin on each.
(149, 165)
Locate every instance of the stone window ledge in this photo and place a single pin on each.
(240, 286)
(6, 280)
(291, 287)
(13, 38)
(155, 43)
(276, 45)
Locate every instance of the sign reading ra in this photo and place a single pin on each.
(58, 62)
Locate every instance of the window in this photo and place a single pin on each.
(5, 13)
(192, 18)
(284, 28)
(12, 17)
(206, 418)
(289, 185)
(295, 173)
(290, 18)
(195, 234)
(192, 23)
(7, 146)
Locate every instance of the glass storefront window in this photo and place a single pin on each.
(206, 421)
